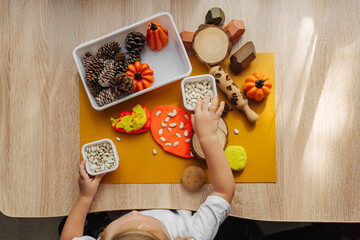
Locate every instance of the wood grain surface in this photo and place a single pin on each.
(317, 69)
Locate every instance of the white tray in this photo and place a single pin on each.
(169, 64)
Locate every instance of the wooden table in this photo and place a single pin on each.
(317, 62)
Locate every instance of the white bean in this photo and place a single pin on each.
(168, 144)
(158, 113)
(163, 124)
(162, 139)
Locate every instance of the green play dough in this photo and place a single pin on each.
(237, 157)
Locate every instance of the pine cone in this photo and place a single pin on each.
(133, 58)
(108, 50)
(122, 85)
(120, 57)
(107, 75)
(135, 42)
(86, 59)
(95, 88)
(120, 68)
(105, 97)
(94, 69)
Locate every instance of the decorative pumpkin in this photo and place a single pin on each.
(257, 86)
(157, 36)
(141, 74)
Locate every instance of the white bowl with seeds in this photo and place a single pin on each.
(196, 87)
(101, 157)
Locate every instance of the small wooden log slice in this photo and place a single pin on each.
(211, 44)
(196, 147)
(223, 126)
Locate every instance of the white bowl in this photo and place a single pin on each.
(169, 64)
(198, 78)
(102, 141)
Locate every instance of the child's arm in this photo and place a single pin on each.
(74, 225)
(205, 123)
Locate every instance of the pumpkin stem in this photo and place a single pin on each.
(153, 26)
(138, 76)
(259, 83)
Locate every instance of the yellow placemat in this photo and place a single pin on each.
(139, 165)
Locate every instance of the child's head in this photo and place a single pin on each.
(135, 226)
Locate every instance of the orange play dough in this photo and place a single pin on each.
(183, 147)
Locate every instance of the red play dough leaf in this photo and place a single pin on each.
(183, 148)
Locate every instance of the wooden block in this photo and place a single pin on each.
(236, 29)
(243, 57)
(187, 38)
(215, 16)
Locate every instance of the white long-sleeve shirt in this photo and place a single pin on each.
(202, 225)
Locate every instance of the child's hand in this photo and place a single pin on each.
(205, 121)
(88, 185)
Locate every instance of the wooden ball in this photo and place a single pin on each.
(193, 178)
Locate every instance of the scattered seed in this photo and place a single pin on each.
(187, 140)
(186, 116)
(169, 129)
(191, 154)
(158, 113)
(160, 131)
(176, 143)
(181, 125)
(154, 151)
(178, 135)
(163, 124)
(162, 139)
(118, 139)
(186, 133)
(172, 124)
(236, 131)
(167, 119)
(168, 144)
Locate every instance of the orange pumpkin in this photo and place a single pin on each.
(157, 36)
(257, 86)
(141, 74)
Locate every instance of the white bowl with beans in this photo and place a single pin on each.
(196, 87)
(101, 157)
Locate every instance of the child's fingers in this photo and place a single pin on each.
(213, 105)
(98, 178)
(82, 171)
(205, 105)
(198, 106)
(193, 119)
(220, 110)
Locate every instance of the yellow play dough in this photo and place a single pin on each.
(237, 157)
(135, 121)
